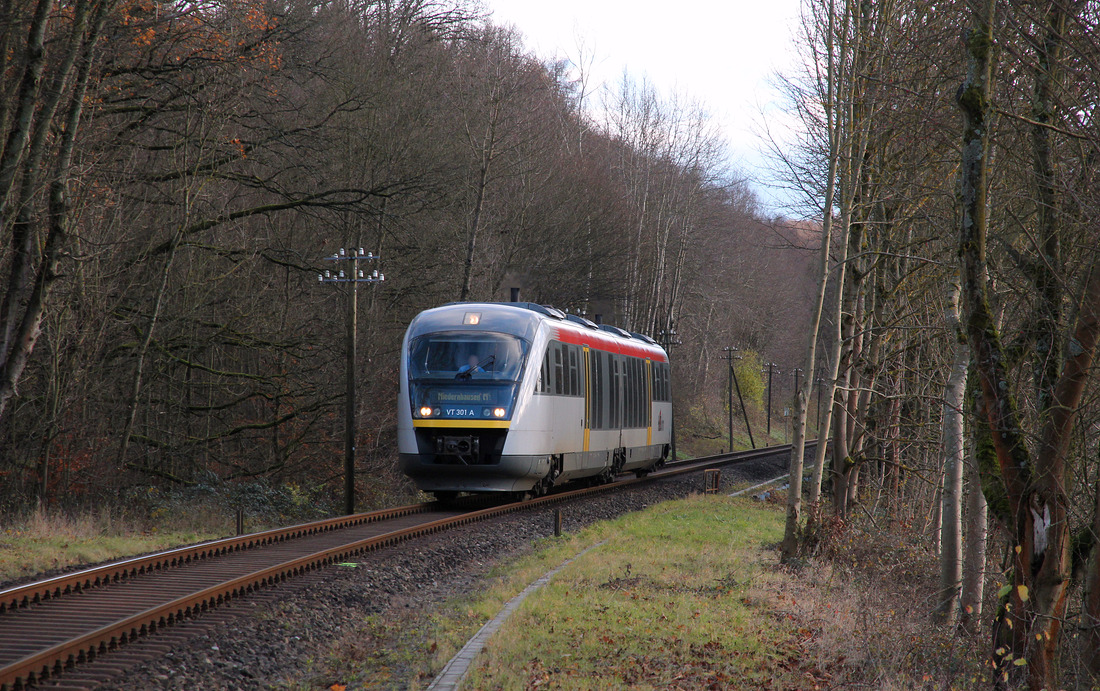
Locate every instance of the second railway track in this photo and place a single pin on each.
(49, 626)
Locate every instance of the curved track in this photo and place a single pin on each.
(48, 626)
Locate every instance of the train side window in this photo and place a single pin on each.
(574, 372)
(647, 371)
(616, 393)
(601, 388)
(633, 392)
(581, 372)
(608, 382)
(664, 382)
(656, 381)
(545, 373)
(574, 376)
(612, 391)
(631, 389)
(567, 371)
(594, 389)
(628, 392)
(658, 390)
(559, 380)
(624, 391)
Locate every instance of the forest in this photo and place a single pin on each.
(173, 176)
(952, 151)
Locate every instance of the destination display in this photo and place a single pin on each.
(467, 400)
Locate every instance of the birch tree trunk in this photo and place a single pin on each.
(953, 464)
(973, 574)
(789, 548)
(835, 122)
(835, 343)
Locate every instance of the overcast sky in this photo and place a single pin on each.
(721, 53)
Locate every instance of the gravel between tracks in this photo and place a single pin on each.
(273, 638)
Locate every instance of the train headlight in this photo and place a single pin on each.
(486, 412)
(425, 412)
(498, 412)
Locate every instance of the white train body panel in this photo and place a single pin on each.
(512, 397)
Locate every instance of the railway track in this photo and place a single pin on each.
(49, 626)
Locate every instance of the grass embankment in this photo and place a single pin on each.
(678, 597)
(43, 542)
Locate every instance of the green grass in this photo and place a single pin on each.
(672, 600)
(680, 596)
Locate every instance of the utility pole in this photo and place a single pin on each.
(733, 384)
(771, 367)
(356, 277)
(728, 357)
(669, 338)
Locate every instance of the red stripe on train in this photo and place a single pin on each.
(609, 344)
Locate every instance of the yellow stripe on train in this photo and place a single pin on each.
(477, 424)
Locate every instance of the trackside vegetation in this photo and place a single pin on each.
(687, 594)
(44, 542)
(676, 598)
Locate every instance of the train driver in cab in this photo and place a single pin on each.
(472, 366)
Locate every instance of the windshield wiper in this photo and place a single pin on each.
(470, 372)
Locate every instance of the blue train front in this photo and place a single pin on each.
(518, 397)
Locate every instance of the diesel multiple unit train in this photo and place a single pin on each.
(519, 397)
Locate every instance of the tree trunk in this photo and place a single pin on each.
(20, 331)
(143, 350)
(835, 347)
(475, 224)
(1037, 502)
(1091, 615)
(973, 573)
(953, 463)
(798, 442)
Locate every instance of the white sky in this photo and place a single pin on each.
(721, 53)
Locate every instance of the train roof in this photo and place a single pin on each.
(523, 319)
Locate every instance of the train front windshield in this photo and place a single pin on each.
(467, 375)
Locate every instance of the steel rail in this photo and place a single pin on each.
(41, 664)
(29, 593)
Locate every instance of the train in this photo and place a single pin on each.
(518, 397)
